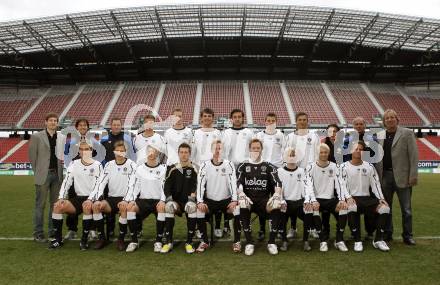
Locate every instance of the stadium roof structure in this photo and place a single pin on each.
(220, 41)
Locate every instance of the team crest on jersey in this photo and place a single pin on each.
(278, 140)
(248, 169)
(188, 173)
(224, 170)
(364, 171)
(330, 173)
(263, 168)
(125, 169)
(299, 177)
(309, 140)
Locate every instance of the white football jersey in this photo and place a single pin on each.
(358, 179)
(236, 144)
(149, 183)
(273, 147)
(307, 144)
(140, 146)
(173, 139)
(325, 180)
(201, 146)
(295, 183)
(217, 182)
(84, 177)
(120, 179)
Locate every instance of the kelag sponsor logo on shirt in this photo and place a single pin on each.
(255, 182)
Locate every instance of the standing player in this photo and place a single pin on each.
(203, 137)
(175, 136)
(147, 137)
(147, 197)
(217, 192)
(296, 187)
(358, 177)
(236, 144)
(325, 180)
(306, 144)
(85, 174)
(257, 180)
(180, 192)
(118, 177)
(274, 142)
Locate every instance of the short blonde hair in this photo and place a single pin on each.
(323, 145)
(390, 112)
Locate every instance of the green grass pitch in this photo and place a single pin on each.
(27, 262)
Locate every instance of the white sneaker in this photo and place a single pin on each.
(272, 248)
(358, 247)
(218, 233)
(341, 246)
(314, 234)
(93, 235)
(381, 245)
(198, 234)
(249, 249)
(132, 246)
(157, 246)
(292, 233)
(323, 246)
(70, 235)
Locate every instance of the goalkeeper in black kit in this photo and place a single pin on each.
(257, 180)
(180, 192)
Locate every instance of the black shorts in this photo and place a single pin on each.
(366, 204)
(218, 206)
(259, 207)
(146, 207)
(328, 205)
(77, 203)
(295, 208)
(113, 202)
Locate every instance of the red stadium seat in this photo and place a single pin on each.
(389, 98)
(179, 95)
(132, 95)
(353, 101)
(56, 101)
(309, 97)
(266, 97)
(223, 96)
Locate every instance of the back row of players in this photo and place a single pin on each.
(235, 173)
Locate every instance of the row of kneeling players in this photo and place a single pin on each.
(217, 185)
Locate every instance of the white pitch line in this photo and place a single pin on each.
(217, 240)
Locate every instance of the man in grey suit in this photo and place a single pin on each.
(48, 173)
(398, 172)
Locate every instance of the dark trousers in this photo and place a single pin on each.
(404, 194)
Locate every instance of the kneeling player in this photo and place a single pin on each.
(358, 177)
(180, 192)
(295, 186)
(257, 179)
(147, 197)
(85, 173)
(119, 176)
(217, 192)
(325, 179)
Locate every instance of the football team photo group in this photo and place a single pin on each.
(206, 175)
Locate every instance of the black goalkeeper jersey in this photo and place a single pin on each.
(180, 182)
(258, 180)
